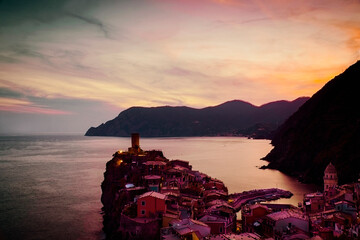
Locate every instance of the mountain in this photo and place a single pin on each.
(230, 118)
(325, 129)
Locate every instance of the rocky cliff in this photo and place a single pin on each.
(325, 129)
(119, 171)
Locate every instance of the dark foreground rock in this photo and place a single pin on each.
(325, 129)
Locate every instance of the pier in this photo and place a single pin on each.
(237, 200)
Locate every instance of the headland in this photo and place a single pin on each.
(147, 196)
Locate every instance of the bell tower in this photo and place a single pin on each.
(330, 177)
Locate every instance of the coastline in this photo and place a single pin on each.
(132, 174)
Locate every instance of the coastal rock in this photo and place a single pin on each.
(325, 129)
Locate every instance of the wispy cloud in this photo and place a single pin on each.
(92, 21)
(24, 106)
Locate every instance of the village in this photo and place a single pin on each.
(147, 196)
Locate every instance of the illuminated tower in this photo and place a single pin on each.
(330, 178)
(135, 143)
(135, 140)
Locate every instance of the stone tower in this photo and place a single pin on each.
(135, 144)
(330, 177)
(135, 140)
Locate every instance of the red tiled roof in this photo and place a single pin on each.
(153, 194)
(149, 177)
(286, 214)
(155, 163)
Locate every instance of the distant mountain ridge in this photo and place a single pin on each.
(232, 118)
(325, 129)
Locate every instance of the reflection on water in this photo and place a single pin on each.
(51, 184)
(234, 160)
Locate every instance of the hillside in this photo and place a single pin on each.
(325, 129)
(234, 118)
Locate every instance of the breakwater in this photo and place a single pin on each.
(237, 200)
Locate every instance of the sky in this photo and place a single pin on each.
(67, 65)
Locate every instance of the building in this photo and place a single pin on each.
(280, 223)
(185, 229)
(151, 204)
(218, 224)
(347, 207)
(314, 202)
(250, 215)
(181, 163)
(138, 228)
(153, 182)
(220, 216)
(330, 179)
(154, 167)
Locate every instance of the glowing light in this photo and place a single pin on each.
(118, 162)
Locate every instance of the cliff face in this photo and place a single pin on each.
(230, 118)
(119, 171)
(325, 129)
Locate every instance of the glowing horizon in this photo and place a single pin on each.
(69, 57)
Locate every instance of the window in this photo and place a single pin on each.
(221, 229)
(142, 212)
(142, 203)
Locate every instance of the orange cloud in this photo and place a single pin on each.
(226, 2)
(195, 53)
(353, 32)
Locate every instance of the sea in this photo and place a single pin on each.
(50, 184)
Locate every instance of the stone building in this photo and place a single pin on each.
(330, 179)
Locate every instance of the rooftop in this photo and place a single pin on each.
(277, 206)
(242, 236)
(159, 163)
(158, 158)
(286, 214)
(312, 195)
(345, 202)
(179, 161)
(212, 218)
(135, 188)
(330, 168)
(153, 194)
(221, 207)
(152, 177)
(180, 168)
(186, 222)
(184, 230)
(254, 206)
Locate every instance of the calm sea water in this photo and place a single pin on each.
(50, 185)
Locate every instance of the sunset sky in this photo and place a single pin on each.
(66, 65)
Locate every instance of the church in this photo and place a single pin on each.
(330, 180)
